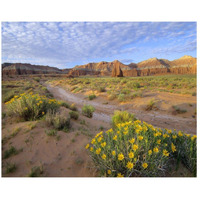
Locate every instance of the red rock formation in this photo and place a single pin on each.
(116, 71)
(153, 66)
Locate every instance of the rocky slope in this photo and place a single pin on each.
(19, 69)
(152, 66)
(102, 68)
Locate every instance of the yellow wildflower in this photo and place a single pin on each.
(109, 172)
(115, 138)
(113, 153)
(103, 156)
(98, 151)
(42, 113)
(87, 146)
(159, 133)
(120, 175)
(158, 141)
(135, 147)
(165, 152)
(155, 150)
(120, 156)
(165, 135)
(131, 155)
(98, 134)
(109, 131)
(129, 165)
(180, 134)
(118, 132)
(138, 131)
(169, 131)
(174, 136)
(188, 135)
(155, 134)
(150, 152)
(132, 140)
(173, 147)
(99, 139)
(93, 141)
(193, 137)
(125, 132)
(26, 108)
(103, 144)
(91, 149)
(140, 137)
(137, 121)
(145, 128)
(144, 165)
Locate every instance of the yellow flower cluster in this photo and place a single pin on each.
(120, 156)
(173, 147)
(129, 165)
(165, 152)
(133, 146)
(144, 165)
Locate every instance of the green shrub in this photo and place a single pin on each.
(101, 89)
(88, 110)
(73, 107)
(11, 151)
(3, 115)
(74, 115)
(77, 89)
(30, 106)
(125, 91)
(51, 132)
(112, 96)
(57, 120)
(121, 117)
(150, 105)
(10, 168)
(65, 104)
(36, 171)
(179, 110)
(194, 94)
(37, 79)
(8, 96)
(139, 149)
(92, 96)
(121, 97)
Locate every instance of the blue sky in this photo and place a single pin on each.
(66, 44)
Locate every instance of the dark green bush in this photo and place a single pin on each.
(92, 96)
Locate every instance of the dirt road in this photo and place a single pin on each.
(103, 112)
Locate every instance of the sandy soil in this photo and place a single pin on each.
(65, 156)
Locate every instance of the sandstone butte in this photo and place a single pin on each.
(152, 66)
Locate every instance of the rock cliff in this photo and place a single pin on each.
(152, 66)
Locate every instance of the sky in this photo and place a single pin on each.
(67, 44)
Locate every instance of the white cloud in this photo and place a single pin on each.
(60, 43)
